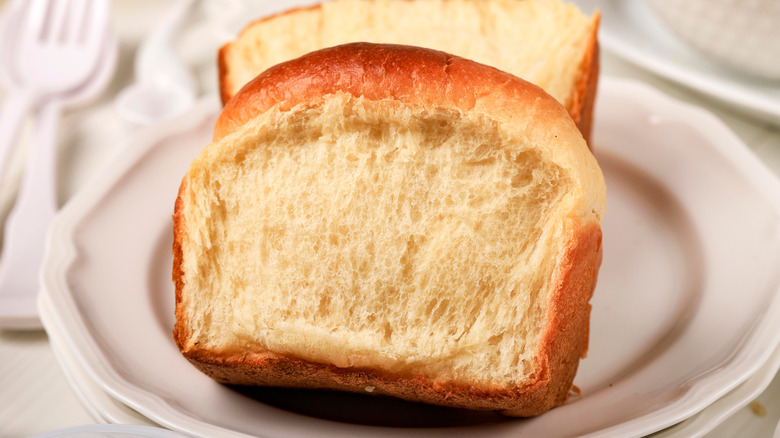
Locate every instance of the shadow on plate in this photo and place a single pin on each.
(367, 410)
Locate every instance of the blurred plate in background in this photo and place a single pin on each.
(629, 29)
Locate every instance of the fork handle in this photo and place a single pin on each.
(28, 222)
(15, 109)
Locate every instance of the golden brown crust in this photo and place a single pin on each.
(566, 336)
(225, 82)
(180, 331)
(177, 274)
(565, 340)
(581, 109)
(408, 74)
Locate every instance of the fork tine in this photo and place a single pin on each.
(78, 20)
(97, 21)
(58, 20)
(38, 20)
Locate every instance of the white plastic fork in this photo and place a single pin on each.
(56, 49)
(61, 49)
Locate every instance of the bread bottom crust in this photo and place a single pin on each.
(564, 343)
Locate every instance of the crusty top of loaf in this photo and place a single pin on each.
(549, 43)
(429, 78)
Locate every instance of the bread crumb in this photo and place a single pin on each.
(758, 408)
(576, 390)
(369, 389)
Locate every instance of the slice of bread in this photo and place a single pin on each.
(393, 220)
(546, 42)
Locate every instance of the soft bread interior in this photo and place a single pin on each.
(544, 42)
(361, 233)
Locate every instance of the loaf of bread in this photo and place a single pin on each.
(546, 42)
(391, 220)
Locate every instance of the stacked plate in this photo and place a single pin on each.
(685, 322)
(631, 30)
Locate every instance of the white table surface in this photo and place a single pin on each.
(34, 394)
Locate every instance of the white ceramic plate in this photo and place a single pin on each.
(726, 417)
(110, 431)
(729, 416)
(101, 407)
(687, 305)
(630, 30)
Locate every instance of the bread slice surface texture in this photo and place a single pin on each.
(549, 43)
(396, 218)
